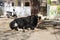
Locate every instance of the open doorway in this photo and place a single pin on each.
(27, 4)
(12, 3)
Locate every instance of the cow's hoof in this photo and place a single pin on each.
(23, 30)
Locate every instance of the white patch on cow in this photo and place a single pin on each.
(15, 25)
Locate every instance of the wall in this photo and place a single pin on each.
(22, 11)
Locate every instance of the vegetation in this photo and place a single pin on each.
(1, 12)
(49, 1)
(58, 10)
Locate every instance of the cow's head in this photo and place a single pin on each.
(39, 16)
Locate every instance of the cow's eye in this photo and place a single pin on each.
(39, 17)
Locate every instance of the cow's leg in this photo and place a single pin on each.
(20, 27)
(24, 29)
(16, 28)
(32, 28)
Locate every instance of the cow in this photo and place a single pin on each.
(25, 22)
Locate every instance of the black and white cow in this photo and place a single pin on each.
(25, 22)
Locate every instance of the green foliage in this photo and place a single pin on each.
(58, 7)
(49, 1)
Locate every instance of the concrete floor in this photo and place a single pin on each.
(38, 34)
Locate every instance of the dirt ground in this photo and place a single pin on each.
(38, 34)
